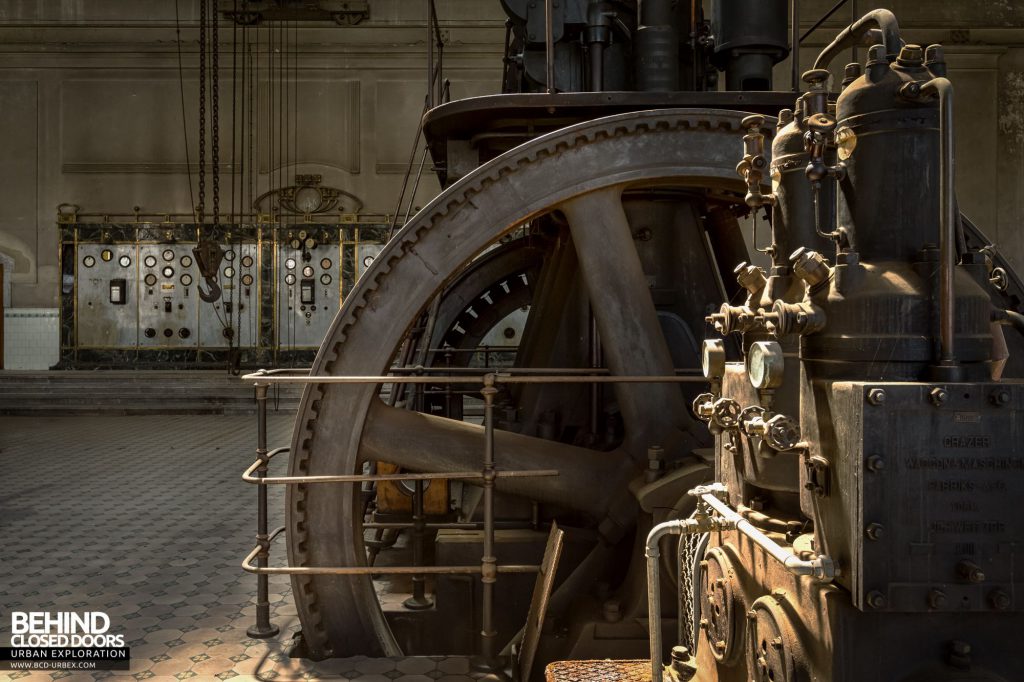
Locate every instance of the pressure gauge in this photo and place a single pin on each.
(150, 261)
(106, 255)
(368, 261)
(124, 261)
(229, 271)
(168, 272)
(186, 261)
(289, 279)
(247, 280)
(325, 279)
(712, 358)
(290, 264)
(89, 261)
(229, 255)
(246, 261)
(307, 271)
(765, 364)
(325, 263)
(168, 255)
(186, 279)
(150, 280)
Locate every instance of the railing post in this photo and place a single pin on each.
(419, 600)
(263, 627)
(488, 562)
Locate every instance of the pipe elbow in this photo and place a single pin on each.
(884, 19)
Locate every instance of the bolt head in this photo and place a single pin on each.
(1001, 600)
(939, 396)
(1001, 396)
(876, 396)
(876, 600)
(937, 599)
(960, 648)
(874, 463)
(874, 531)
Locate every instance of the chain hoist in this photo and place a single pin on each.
(208, 254)
(215, 116)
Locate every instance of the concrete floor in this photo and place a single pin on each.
(147, 519)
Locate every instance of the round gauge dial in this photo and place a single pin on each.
(168, 272)
(310, 243)
(713, 358)
(307, 271)
(295, 244)
(246, 261)
(106, 255)
(89, 261)
(290, 264)
(186, 279)
(229, 256)
(124, 261)
(150, 279)
(247, 280)
(168, 255)
(186, 261)
(765, 364)
(368, 261)
(325, 263)
(229, 272)
(289, 279)
(150, 261)
(325, 279)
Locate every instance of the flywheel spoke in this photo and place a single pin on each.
(422, 442)
(631, 336)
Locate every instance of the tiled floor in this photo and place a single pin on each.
(147, 519)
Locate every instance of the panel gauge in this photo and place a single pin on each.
(168, 255)
(124, 261)
(89, 261)
(150, 261)
(186, 261)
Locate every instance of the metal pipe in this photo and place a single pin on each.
(370, 570)
(852, 34)
(821, 567)
(586, 376)
(263, 628)
(488, 562)
(430, 54)
(653, 553)
(419, 600)
(943, 89)
(549, 46)
(794, 44)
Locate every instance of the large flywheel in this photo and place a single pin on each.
(610, 184)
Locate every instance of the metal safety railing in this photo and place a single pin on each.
(489, 568)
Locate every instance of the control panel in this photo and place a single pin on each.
(309, 287)
(106, 297)
(234, 317)
(168, 304)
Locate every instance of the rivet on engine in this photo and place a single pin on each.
(1000, 600)
(876, 600)
(876, 396)
(874, 463)
(939, 396)
(1000, 396)
(874, 531)
(936, 599)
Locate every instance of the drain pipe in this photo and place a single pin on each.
(855, 32)
(943, 89)
(820, 567)
(699, 523)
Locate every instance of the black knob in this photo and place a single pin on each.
(184, 332)
(150, 332)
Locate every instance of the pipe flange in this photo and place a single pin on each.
(720, 608)
(773, 650)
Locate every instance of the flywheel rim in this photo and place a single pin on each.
(690, 147)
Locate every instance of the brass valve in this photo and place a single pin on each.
(793, 318)
(810, 266)
(725, 414)
(702, 406)
(778, 432)
(754, 165)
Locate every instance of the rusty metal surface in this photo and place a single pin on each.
(598, 671)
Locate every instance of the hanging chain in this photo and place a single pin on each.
(215, 114)
(201, 208)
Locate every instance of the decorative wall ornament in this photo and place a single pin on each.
(307, 197)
